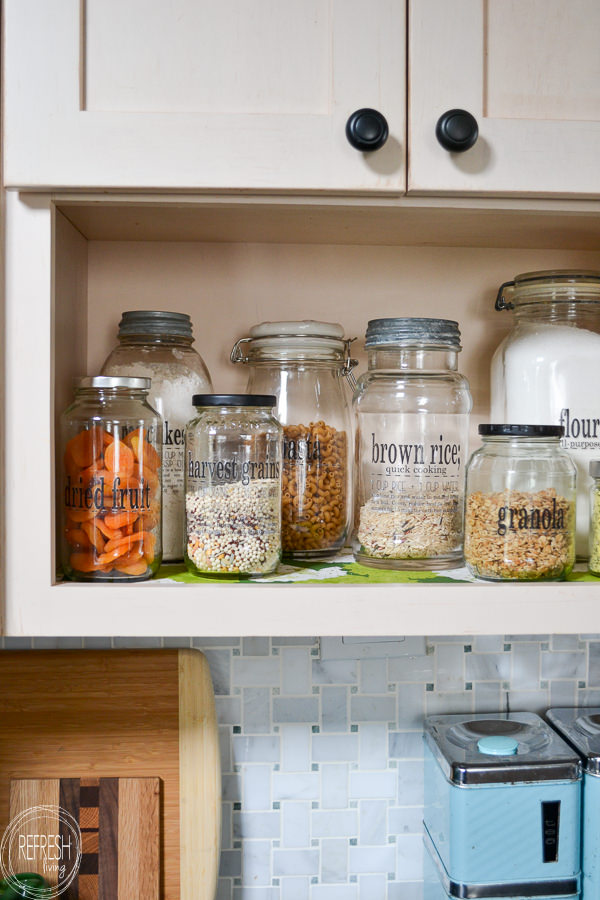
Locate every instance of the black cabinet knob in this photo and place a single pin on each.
(457, 130)
(367, 129)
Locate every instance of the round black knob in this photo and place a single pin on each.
(367, 129)
(457, 130)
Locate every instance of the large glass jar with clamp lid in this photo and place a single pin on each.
(306, 365)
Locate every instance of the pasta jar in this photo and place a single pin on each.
(158, 345)
(305, 365)
(233, 485)
(412, 410)
(594, 561)
(520, 506)
(546, 369)
(111, 482)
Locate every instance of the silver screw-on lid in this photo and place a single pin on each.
(108, 382)
(410, 330)
(149, 321)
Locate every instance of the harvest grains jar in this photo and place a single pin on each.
(520, 507)
(304, 364)
(111, 484)
(233, 485)
(413, 415)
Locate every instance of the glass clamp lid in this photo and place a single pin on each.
(556, 285)
(499, 749)
(581, 728)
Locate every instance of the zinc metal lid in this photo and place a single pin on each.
(269, 400)
(108, 382)
(411, 330)
(540, 754)
(156, 322)
(581, 728)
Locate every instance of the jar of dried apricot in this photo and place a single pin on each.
(305, 365)
(110, 490)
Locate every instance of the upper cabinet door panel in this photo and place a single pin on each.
(213, 94)
(529, 72)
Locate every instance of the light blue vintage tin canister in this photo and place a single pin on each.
(581, 728)
(502, 804)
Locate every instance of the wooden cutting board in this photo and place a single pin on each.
(68, 714)
(119, 833)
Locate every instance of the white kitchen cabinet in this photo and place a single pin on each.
(225, 95)
(74, 263)
(529, 72)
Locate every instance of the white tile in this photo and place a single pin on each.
(406, 744)
(489, 696)
(255, 893)
(373, 676)
(449, 702)
(334, 671)
(256, 671)
(255, 646)
(295, 787)
(563, 693)
(219, 662)
(371, 708)
(334, 892)
(296, 709)
(226, 826)
(372, 859)
(373, 886)
(406, 890)
(334, 823)
(256, 710)
(373, 745)
(229, 710)
(373, 822)
(334, 860)
(564, 665)
(225, 747)
(488, 643)
(450, 667)
(411, 668)
(487, 666)
(256, 824)
(335, 747)
(334, 786)
(295, 747)
(410, 784)
(411, 706)
(373, 785)
(295, 817)
(334, 708)
(409, 859)
(526, 666)
(295, 888)
(231, 787)
(295, 670)
(295, 862)
(256, 792)
(255, 749)
(405, 820)
(256, 863)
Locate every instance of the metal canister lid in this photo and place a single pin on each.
(539, 755)
(407, 331)
(268, 400)
(581, 728)
(155, 322)
(113, 381)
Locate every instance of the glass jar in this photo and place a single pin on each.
(594, 547)
(233, 485)
(304, 364)
(412, 410)
(520, 507)
(111, 482)
(546, 369)
(158, 345)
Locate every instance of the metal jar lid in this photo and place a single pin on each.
(540, 754)
(595, 468)
(524, 431)
(443, 333)
(108, 382)
(155, 322)
(268, 400)
(581, 728)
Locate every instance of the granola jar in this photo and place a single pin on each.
(233, 485)
(110, 496)
(594, 560)
(306, 364)
(412, 409)
(520, 505)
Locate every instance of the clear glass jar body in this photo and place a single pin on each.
(110, 491)
(177, 373)
(313, 405)
(546, 369)
(520, 510)
(233, 491)
(412, 408)
(594, 545)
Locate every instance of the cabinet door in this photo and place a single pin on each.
(529, 72)
(228, 94)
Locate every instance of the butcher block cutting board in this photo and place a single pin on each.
(122, 714)
(118, 838)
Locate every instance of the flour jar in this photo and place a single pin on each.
(158, 345)
(546, 370)
(305, 365)
(412, 408)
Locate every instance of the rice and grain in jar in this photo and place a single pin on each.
(520, 506)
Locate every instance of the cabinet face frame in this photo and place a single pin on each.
(52, 141)
(512, 156)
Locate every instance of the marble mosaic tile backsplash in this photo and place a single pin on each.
(322, 757)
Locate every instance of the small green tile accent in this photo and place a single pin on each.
(354, 729)
(543, 685)
(314, 842)
(353, 842)
(237, 845)
(467, 648)
(237, 806)
(314, 767)
(315, 804)
(314, 651)
(275, 882)
(237, 729)
(276, 843)
(314, 880)
(391, 688)
(235, 652)
(316, 689)
(581, 684)
(276, 767)
(315, 729)
(276, 805)
(429, 687)
(237, 882)
(353, 804)
(544, 646)
(353, 879)
(393, 764)
(468, 685)
(430, 649)
(507, 648)
(276, 729)
(506, 686)
(354, 689)
(237, 691)
(275, 692)
(275, 651)
(390, 876)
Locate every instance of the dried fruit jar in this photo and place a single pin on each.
(111, 482)
(158, 345)
(305, 364)
(412, 410)
(233, 485)
(520, 506)
(545, 371)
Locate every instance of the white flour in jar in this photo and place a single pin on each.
(548, 375)
(170, 395)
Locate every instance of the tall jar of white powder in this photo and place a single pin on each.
(546, 370)
(158, 345)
